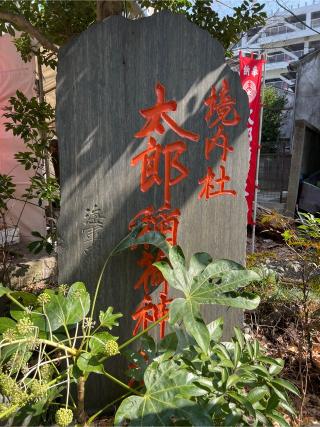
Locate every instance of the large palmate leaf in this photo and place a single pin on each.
(168, 393)
(133, 239)
(204, 282)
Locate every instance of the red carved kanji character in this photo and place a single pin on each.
(172, 153)
(158, 112)
(209, 183)
(147, 217)
(151, 275)
(162, 311)
(150, 165)
(164, 221)
(168, 223)
(145, 314)
(223, 108)
(212, 142)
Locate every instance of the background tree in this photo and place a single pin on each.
(46, 25)
(273, 116)
(53, 23)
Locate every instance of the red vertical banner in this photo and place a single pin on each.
(251, 73)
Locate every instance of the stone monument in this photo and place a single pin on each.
(152, 127)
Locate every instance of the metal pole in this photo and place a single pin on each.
(258, 161)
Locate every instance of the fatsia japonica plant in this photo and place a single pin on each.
(51, 341)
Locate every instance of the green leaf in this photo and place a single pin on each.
(245, 301)
(276, 366)
(176, 310)
(179, 272)
(87, 362)
(290, 409)
(195, 325)
(70, 309)
(257, 394)
(215, 329)
(281, 383)
(169, 390)
(133, 239)
(276, 416)
(198, 263)
(236, 354)
(232, 380)
(4, 290)
(168, 343)
(128, 410)
(214, 270)
(98, 341)
(208, 292)
(108, 319)
(239, 337)
(167, 273)
(6, 323)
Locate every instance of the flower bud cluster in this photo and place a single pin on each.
(63, 289)
(38, 390)
(46, 372)
(43, 298)
(64, 417)
(9, 335)
(111, 348)
(12, 390)
(25, 326)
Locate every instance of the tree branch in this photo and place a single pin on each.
(22, 24)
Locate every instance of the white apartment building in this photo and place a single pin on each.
(285, 39)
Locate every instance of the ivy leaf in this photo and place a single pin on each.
(70, 309)
(108, 319)
(87, 362)
(98, 341)
(6, 323)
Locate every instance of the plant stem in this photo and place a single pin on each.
(9, 411)
(131, 340)
(81, 415)
(94, 416)
(115, 380)
(16, 302)
(98, 285)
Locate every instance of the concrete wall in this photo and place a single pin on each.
(308, 92)
(305, 142)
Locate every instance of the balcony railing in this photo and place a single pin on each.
(315, 23)
(284, 29)
(279, 85)
(284, 57)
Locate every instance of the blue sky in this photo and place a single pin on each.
(271, 5)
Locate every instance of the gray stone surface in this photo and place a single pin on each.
(105, 77)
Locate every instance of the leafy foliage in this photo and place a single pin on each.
(273, 116)
(233, 383)
(189, 377)
(57, 20)
(30, 120)
(228, 30)
(204, 282)
(7, 190)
